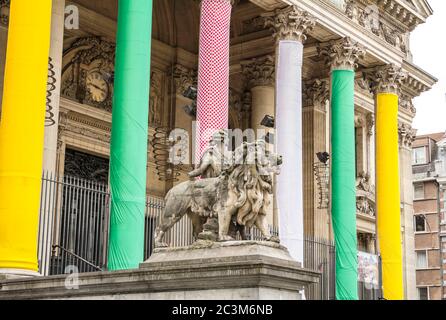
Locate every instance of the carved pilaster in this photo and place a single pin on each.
(388, 79)
(342, 54)
(184, 78)
(316, 93)
(370, 119)
(259, 71)
(290, 23)
(406, 135)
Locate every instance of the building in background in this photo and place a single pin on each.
(429, 172)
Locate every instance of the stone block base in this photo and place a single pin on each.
(205, 270)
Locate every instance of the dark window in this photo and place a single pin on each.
(420, 223)
(423, 294)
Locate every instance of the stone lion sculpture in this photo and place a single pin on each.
(242, 192)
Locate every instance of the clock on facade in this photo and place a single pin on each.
(97, 86)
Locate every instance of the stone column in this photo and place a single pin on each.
(342, 57)
(316, 95)
(22, 134)
(388, 195)
(55, 73)
(51, 131)
(260, 76)
(213, 71)
(290, 26)
(407, 137)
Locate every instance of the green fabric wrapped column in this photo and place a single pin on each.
(344, 183)
(342, 57)
(128, 154)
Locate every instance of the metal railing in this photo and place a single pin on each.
(320, 255)
(74, 225)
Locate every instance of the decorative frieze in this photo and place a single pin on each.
(343, 54)
(290, 23)
(259, 71)
(388, 79)
(370, 17)
(316, 93)
(4, 12)
(406, 135)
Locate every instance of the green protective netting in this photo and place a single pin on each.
(344, 184)
(128, 153)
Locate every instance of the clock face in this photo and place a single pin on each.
(97, 86)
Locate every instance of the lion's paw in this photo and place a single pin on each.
(161, 245)
(273, 239)
(225, 238)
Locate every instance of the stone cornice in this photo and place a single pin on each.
(259, 71)
(290, 23)
(342, 54)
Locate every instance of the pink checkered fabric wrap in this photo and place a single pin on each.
(213, 71)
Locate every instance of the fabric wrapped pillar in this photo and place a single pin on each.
(343, 183)
(22, 133)
(128, 155)
(289, 26)
(342, 57)
(388, 196)
(213, 71)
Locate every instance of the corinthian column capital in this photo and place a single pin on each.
(316, 93)
(406, 135)
(291, 23)
(342, 54)
(259, 71)
(387, 79)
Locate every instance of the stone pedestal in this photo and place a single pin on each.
(206, 270)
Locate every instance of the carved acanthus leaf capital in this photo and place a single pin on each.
(388, 79)
(184, 78)
(259, 71)
(290, 23)
(316, 93)
(406, 135)
(342, 54)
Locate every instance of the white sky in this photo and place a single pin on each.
(429, 52)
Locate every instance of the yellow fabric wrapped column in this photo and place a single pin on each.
(388, 182)
(22, 132)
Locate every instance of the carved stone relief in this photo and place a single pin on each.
(406, 135)
(88, 72)
(156, 99)
(371, 19)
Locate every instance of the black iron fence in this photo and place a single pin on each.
(74, 222)
(320, 255)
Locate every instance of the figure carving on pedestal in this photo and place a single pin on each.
(241, 192)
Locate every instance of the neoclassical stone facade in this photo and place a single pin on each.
(369, 37)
